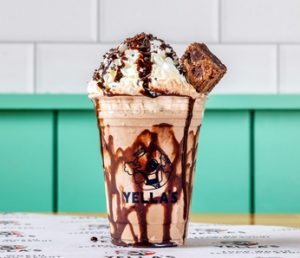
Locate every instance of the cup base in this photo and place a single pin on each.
(120, 242)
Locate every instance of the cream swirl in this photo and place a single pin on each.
(142, 65)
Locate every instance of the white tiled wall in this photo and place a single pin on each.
(54, 45)
(16, 68)
(48, 20)
(290, 68)
(66, 68)
(173, 20)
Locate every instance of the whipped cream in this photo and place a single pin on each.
(142, 65)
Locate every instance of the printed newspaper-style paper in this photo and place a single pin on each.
(24, 235)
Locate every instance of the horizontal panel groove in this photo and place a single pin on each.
(81, 102)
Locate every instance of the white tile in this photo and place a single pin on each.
(180, 48)
(16, 68)
(67, 68)
(48, 20)
(173, 20)
(290, 69)
(250, 68)
(260, 21)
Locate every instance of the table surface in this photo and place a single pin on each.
(291, 220)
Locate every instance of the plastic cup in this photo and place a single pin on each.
(149, 148)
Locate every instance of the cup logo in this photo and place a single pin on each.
(151, 168)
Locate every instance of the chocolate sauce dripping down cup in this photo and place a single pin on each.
(149, 147)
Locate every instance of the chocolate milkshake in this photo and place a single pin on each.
(149, 117)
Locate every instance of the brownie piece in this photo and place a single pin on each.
(201, 67)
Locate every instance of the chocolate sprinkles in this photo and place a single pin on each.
(143, 43)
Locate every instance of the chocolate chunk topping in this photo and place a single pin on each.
(197, 71)
(195, 55)
(201, 67)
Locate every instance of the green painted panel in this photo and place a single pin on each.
(277, 161)
(80, 178)
(26, 161)
(215, 102)
(222, 180)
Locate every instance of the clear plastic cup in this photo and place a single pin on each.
(149, 147)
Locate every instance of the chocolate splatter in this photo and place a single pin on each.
(94, 239)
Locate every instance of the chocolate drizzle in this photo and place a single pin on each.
(119, 74)
(108, 58)
(144, 44)
(183, 157)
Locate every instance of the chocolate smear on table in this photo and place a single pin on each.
(94, 239)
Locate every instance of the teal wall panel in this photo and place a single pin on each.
(26, 156)
(222, 180)
(219, 166)
(50, 142)
(80, 176)
(277, 161)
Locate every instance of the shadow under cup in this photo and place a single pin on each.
(148, 148)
